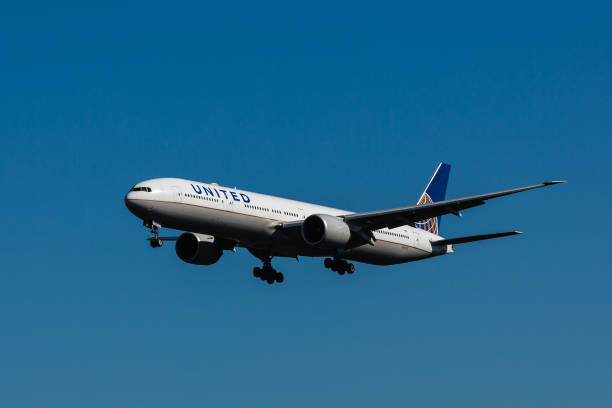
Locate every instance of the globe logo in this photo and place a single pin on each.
(430, 224)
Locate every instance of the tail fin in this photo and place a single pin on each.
(434, 192)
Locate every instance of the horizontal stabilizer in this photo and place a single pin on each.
(463, 240)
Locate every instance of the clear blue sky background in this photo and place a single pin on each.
(349, 105)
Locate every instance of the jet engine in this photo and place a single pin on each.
(325, 231)
(197, 249)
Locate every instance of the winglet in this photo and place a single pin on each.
(550, 183)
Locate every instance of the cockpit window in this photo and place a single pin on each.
(147, 189)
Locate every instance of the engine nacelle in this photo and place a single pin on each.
(325, 231)
(197, 249)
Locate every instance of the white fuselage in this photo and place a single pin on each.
(255, 221)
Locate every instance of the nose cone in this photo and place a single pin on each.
(135, 206)
(128, 202)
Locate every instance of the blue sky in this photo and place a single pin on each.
(350, 105)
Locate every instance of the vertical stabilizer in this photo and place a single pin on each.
(434, 192)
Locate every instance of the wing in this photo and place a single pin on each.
(396, 217)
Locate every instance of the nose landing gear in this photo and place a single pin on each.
(155, 240)
(339, 266)
(268, 273)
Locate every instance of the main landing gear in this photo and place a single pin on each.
(268, 273)
(155, 240)
(339, 265)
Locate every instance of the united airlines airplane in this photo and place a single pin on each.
(218, 218)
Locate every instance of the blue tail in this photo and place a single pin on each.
(434, 192)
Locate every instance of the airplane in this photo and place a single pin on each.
(216, 219)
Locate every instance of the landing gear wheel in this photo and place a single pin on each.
(156, 242)
(340, 266)
(268, 273)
